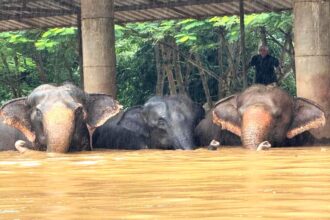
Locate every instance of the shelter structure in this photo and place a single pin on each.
(97, 18)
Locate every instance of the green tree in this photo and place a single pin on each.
(197, 57)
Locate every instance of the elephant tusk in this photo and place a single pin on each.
(91, 130)
(19, 145)
(213, 145)
(264, 146)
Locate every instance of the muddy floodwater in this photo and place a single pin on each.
(231, 183)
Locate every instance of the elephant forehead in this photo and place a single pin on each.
(160, 112)
(56, 94)
(58, 113)
(160, 109)
(257, 114)
(177, 115)
(273, 100)
(65, 96)
(246, 101)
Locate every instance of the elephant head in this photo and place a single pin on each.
(267, 113)
(171, 121)
(59, 118)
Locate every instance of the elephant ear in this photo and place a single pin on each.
(16, 113)
(132, 120)
(225, 114)
(100, 108)
(307, 115)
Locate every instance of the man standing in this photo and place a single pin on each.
(265, 65)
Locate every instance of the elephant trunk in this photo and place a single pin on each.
(185, 144)
(59, 128)
(255, 126)
(184, 140)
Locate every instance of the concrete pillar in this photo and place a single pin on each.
(98, 41)
(312, 54)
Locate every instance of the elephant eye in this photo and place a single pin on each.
(38, 113)
(79, 111)
(161, 122)
(277, 114)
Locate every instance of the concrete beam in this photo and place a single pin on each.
(312, 54)
(98, 42)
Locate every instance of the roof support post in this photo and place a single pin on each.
(98, 41)
(312, 54)
(242, 41)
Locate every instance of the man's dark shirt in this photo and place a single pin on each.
(265, 73)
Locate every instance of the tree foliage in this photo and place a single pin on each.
(200, 56)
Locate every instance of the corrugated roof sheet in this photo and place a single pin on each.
(26, 14)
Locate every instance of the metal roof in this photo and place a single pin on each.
(27, 14)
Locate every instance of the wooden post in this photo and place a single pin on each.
(98, 37)
(221, 68)
(160, 72)
(177, 67)
(168, 68)
(204, 82)
(242, 30)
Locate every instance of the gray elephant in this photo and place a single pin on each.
(161, 123)
(8, 136)
(267, 113)
(55, 118)
(127, 130)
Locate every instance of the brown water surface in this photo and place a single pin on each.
(290, 183)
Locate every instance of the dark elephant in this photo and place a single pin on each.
(267, 113)
(161, 123)
(207, 131)
(57, 118)
(127, 130)
(8, 136)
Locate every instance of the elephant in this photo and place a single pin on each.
(55, 118)
(127, 130)
(163, 122)
(267, 113)
(8, 136)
